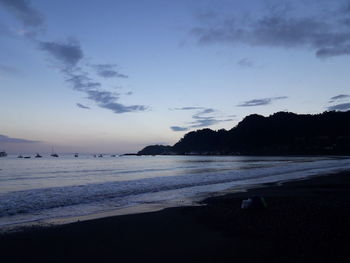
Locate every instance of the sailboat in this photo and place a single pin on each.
(3, 154)
(53, 154)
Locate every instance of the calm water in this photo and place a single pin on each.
(48, 188)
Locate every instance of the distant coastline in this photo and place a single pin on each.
(283, 133)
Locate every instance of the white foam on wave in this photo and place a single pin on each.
(198, 177)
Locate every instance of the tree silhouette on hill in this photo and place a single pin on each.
(282, 133)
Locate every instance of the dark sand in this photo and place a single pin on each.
(306, 221)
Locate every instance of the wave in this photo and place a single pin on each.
(36, 200)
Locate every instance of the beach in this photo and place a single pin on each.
(305, 221)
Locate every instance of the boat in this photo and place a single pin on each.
(3, 154)
(38, 156)
(20, 156)
(100, 155)
(53, 154)
(26, 157)
(113, 155)
(76, 155)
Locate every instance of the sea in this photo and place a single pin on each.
(52, 190)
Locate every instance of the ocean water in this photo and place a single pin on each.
(38, 189)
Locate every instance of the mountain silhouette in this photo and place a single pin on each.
(282, 133)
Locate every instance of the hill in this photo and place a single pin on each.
(282, 133)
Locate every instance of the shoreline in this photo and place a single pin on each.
(147, 207)
(198, 200)
(306, 221)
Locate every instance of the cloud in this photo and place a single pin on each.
(260, 102)
(24, 12)
(108, 100)
(83, 106)
(340, 107)
(339, 97)
(108, 71)
(6, 139)
(8, 70)
(204, 122)
(200, 119)
(178, 128)
(188, 108)
(80, 80)
(69, 53)
(326, 34)
(245, 63)
(333, 51)
(205, 111)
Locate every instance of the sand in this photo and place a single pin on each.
(306, 221)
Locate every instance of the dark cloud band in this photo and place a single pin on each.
(327, 34)
(340, 107)
(6, 139)
(339, 97)
(178, 128)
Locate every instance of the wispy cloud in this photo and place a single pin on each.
(200, 119)
(6, 139)
(178, 128)
(327, 33)
(80, 80)
(260, 102)
(340, 107)
(245, 63)
(8, 70)
(188, 108)
(339, 97)
(108, 71)
(69, 53)
(109, 100)
(83, 106)
(24, 12)
(204, 122)
(32, 20)
(202, 112)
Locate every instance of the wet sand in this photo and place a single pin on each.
(306, 221)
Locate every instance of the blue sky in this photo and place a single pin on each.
(114, 76)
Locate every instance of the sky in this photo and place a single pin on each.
(113, 76)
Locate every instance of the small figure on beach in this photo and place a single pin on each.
(254, 203)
